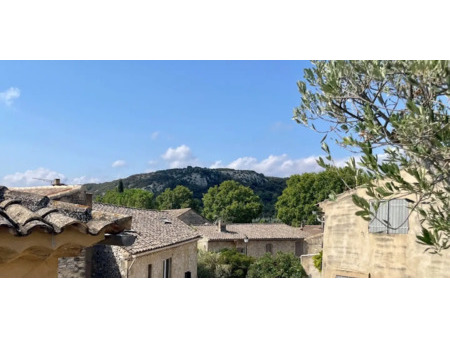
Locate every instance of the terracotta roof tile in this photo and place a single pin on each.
(155, 229)
(56, 191)
(259, 231)
(23, 212)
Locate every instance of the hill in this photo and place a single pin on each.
(199, 180)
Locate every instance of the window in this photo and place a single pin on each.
(299, 248)
(167, 267)
(149, 271)
(396, 213)
(187, 274)
(269, 248)
(241, 250)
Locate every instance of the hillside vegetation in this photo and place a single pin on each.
(199, 180)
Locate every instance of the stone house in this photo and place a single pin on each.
(165, 247)
(353, 247)
(262, 238)
(38, 226)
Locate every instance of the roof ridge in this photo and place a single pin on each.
(124, 206)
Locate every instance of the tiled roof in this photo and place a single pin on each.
(178, 212)
(188, 216)
(258, 231)
(23, 212)
(51, 191)
(155, 229)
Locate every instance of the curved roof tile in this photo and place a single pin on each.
(23, 212)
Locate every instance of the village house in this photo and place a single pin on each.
(353, 247)
(165, 247)
(37, 230)
(257, 239)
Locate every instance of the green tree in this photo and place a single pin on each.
(317, 260)
(282, 265)
(395, 114)
(298, 201)
(238, 263)
(178, 198)
(120, 186)
(228, 263)
(209, 265)
(231, 202)
(135, 198)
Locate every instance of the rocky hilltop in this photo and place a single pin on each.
(199, 180)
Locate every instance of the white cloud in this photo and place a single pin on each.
(277, 165)
(155, 135)
(119, 163)
(217, 164)
(9, 95)
(30, 178)
(43, 176)
(180, 157)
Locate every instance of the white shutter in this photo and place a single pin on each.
(377, 225)
(398, 217)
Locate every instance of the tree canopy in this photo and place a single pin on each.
(282, 265)
(296, 204)
(395, 116)
(120, 187)
(231, 202)
(177, 198)
(135, 198)
(228, 263)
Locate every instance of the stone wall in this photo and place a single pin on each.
(108, 261)
(313, 244)
(350, 250)
(308, 265)
(72, 267)
(255, 248)
(184, 259)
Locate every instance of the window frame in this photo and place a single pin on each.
(167, 268)
(149, 271)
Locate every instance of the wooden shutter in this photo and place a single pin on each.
(149, 271)
(299, 248)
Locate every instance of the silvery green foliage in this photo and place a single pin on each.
(395, 116)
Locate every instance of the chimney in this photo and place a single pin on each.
(222, 226)
(56, 182)
(89, 200)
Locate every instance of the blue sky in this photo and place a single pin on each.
(93, 121)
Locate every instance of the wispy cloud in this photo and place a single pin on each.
(84, 180)
(155, 135)
(9, 95)
(180, 157)
(276, 165)
(119, 163)
(282, 126)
